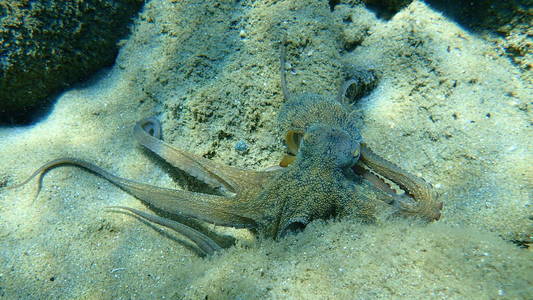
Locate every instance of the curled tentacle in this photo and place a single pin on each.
(420, 198)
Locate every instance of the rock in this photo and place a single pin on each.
(50, 45)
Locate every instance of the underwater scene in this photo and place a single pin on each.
(291, 149)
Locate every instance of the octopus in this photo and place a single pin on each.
(318, 178)
(411, 195)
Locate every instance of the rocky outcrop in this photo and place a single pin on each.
(49, 45)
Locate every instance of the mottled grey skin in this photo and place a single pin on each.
(304, 110)
(315, 185)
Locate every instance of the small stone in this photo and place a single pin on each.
(241, 146)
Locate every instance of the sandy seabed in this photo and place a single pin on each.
(449, 107)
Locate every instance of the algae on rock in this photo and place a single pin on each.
(46, 46)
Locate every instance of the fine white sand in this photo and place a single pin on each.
(448, 108)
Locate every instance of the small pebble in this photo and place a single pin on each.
(241, 146)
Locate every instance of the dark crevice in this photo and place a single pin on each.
(333, 3)
(386, 9)
(475, 16)
(34, 115)
(480, 15)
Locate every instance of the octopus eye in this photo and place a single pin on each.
(152, 126)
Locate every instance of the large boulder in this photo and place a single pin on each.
(49, 45)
